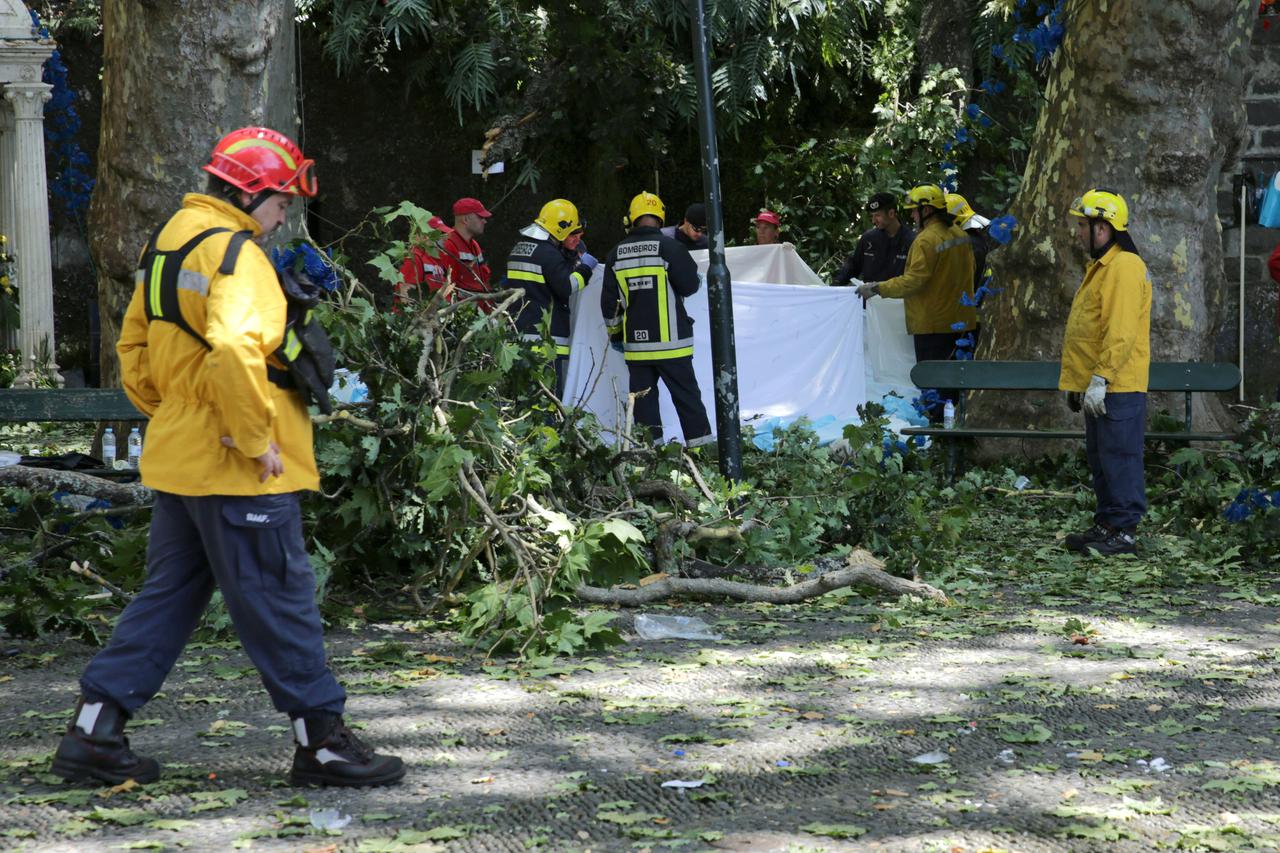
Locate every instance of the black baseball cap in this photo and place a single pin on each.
(882, 201)
(696, 214)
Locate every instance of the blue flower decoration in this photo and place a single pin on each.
(70, 183)
(962, 135)
(973, 110)
(305, 258)
(1001, 229)
(957, 327)
(983, 121)
(1236, 511)
(926, 402)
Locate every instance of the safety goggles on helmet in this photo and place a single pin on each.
(1103, 204)
(259, 159)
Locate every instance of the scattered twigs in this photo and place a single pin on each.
(861, 569)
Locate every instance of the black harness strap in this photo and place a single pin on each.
(160, 271)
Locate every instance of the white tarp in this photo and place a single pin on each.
(799, 347)
(889, 351)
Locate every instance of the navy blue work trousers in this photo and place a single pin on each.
(1113, 444)
(682, 384)
(252, 549)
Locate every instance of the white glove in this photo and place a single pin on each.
(1095, 397)
(868, 289)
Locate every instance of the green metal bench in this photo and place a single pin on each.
(39, 405)
(1188, 377)
(24, 405)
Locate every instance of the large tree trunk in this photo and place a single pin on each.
(175, 77)
(946, 39)
(1145, 98)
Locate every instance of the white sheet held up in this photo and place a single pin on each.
(799, 348)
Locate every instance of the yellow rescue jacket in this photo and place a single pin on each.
(195, 396)
(939, 271)
(1109, 328)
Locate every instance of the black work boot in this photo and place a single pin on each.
(95, 748)
(1117, 542)
(329, 753)
(1077, 541)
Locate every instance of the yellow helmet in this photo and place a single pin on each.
(559, 217)
(926, 194)
(958, 206)
(1106, 205)
(646, 204)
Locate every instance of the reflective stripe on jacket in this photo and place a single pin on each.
(939, 271)
(195, 396)
(1109, 327)
(549, 278)
(646, 279)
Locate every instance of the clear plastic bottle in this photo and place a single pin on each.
(135, 447)
(949, 415)
(109, 448)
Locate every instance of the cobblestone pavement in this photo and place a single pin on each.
(808, 727)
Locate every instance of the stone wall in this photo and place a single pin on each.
(1261, 158)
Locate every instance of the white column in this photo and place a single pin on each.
(30, 240)
(7, 157)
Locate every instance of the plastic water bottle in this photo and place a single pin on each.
(949, 415)
(109, 448)
(135, 447)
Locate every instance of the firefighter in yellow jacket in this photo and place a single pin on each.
(938, 275)
(228, 450)
(1106, 358)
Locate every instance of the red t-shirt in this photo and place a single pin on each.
(463, 263)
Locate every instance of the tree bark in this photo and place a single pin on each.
(175, 77)
(52, 480)
(946, 38)
(1146, 99)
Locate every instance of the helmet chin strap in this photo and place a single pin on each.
(255, 202)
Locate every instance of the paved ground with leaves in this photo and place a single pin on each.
(1061, 704)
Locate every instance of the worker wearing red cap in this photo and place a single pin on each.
(768, 227)
(421, 266)
(460, 257)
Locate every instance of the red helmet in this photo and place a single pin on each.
(258, 159)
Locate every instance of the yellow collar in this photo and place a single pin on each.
(243, 221)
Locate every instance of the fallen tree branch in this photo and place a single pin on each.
(344, 416)
(89, 574)
(697, 476)
(52, 480)
(861, 569)
(665, 489)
